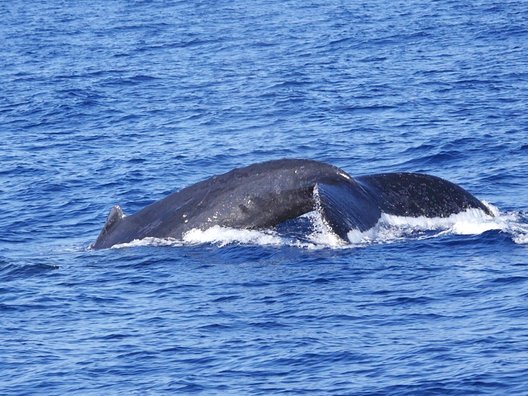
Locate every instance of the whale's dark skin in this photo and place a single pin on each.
(266, 194)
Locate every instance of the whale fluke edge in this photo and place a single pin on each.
(266, 194)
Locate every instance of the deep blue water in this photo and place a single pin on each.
(123, 102)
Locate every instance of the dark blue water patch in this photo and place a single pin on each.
(16, 271)
(510, 280)
(227, 299)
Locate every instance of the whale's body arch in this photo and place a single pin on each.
(266, 194)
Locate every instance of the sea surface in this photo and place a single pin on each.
(123, 102)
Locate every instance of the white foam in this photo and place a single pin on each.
(521, 239)
(469, 222)
(150, 241)
(390, 228)
(517, 227)
(322, 235)
(225, 235)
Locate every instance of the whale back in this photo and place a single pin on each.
(254, 197)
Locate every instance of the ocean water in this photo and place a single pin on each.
(123, 102)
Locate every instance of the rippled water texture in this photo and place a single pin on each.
(122, 102)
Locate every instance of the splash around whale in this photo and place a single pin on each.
(267, 194)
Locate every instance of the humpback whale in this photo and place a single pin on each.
(266, 194)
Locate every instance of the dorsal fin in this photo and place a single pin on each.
(116, 214)
(114, 217)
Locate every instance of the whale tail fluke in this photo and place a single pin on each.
(345, 206)
(358, 205)
(417, 194)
